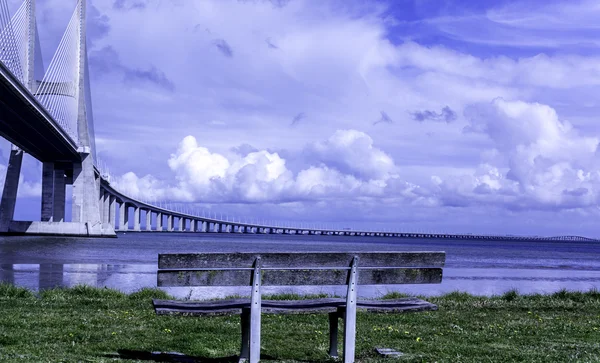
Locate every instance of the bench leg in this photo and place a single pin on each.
(245, 324)
(350, 314)
(333, 334)
(255, 309)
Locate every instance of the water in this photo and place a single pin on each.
(130, 262)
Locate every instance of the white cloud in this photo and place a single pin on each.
(545, 162)
(352, 152)
(262, 176)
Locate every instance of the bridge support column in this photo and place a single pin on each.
(85, 193)
(123, 217)
(112, 201)
(193, 225)
(148, 220)
(136, 218)
(105, 207)
(59, 195)
(11, 184)
(101, 204)
(159, 224)
(181, 224)
(47, 191)
(204, 227)
(170, 223)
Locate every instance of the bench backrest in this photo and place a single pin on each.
(300, 268)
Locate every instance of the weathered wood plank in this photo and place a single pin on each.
(387, 276)
(408, 304)
(309, 306)
(301, 259)
(220, 307)
(217, 307)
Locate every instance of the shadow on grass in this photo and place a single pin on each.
(173, 357)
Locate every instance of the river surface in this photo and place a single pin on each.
(129, 262)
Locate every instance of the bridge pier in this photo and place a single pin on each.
(148, 220)
(11, 184)
(47, 191)
(59, 197)
(170, 223)
(159, 222)
(113, 211)
(105, 207)
(136, 218)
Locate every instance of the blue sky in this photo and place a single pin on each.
(445, 116)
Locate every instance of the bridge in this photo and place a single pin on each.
(52, 120)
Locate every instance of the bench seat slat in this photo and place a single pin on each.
(408, 304)
(300, 259)
(227, 307)
(299, 277)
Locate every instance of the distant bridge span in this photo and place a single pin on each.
(151, 218)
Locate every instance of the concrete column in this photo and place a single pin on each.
(181, 224)
(101, 205)
(148, 220)
(59, 198)
(204, 226)
(112, 206)
(47, 191)
(106, 208)
(159, 226)
(216, 227)
(123, 220)
(11, 184)
(85, 207)
(136, 218)
(193, 225)
(170, 223)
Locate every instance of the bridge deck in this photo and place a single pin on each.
(25, 123)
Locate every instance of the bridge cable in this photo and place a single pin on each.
(9, 50)
(58, 91)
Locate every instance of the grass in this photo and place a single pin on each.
(91, 325)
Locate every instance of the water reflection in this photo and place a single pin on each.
(44, 276)
(7, 273)
(132, 277)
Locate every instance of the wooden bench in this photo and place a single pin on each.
(297, 269)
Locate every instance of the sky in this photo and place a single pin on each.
(413, 115)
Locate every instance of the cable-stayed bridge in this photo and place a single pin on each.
(51, 119)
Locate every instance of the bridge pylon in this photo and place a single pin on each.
(26, 17)
(86, 184)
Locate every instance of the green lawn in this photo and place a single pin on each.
(101, 325)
